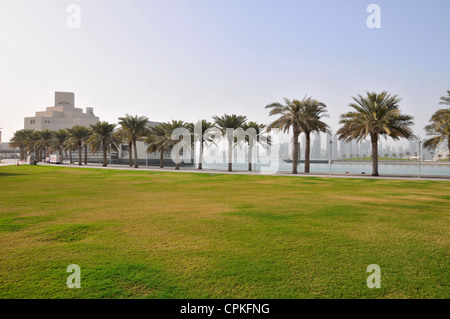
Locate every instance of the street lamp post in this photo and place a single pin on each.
(420, 146)
(331, 149)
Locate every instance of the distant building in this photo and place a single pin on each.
(62, 115)
(334, 148)
(6, 151)
(342, 149)
(316, 147)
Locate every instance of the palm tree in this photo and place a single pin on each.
(19, 140)
(204, 125)
(229, 122)
(77, 136)
(375, 115)
(31, 141)
(408, 154)
(59, 141)
(160, 139)
(137, 127)
(125, 137)
(439, 128)
(251, 140)
(168, 128)
(86, 137)
(103, 137)
(43, 142)
(445, 100)
(303, 116)
(156, 142)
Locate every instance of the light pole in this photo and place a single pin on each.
(420, 146)
(331, 150)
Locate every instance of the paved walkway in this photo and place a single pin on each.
(216, 171)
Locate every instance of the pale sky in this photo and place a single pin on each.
(193, 59)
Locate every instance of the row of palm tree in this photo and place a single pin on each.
(373, 115)
(104, 135)
(63, 140)
(159, 139)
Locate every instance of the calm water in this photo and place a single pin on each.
(350, 168)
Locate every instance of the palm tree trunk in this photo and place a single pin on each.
(161, 159)
(230, 154)
(374, 140)
(70, 155)
(448, 146)
(295, 153)
(307, 151)
(61, 155)
(130, 152)
(250, 149)
(105, 159)
(200, 163)
(80, 154)
(177, 159)
(85, 153)
(135, 155)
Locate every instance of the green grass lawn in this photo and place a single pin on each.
(138, 234)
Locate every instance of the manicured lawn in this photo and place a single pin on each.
(139, 234)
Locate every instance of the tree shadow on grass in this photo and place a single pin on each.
(10, 174)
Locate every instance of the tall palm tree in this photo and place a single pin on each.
(125, 137)
(205, 125)
(59, 141)
(375, 115)
(31, 141)
(166, 138)
(303, 116)
(103, 137)
(231, 122)
(137, 127)
(19, 140)
(43, 142)
(69, 146)
(439, 128)
(77, 135)
(155, 141)
(259, 128)
(86, 137)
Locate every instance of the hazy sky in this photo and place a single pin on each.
(192, 59)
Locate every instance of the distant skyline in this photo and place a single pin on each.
(193, 59)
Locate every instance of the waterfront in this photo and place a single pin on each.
(426, 168)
